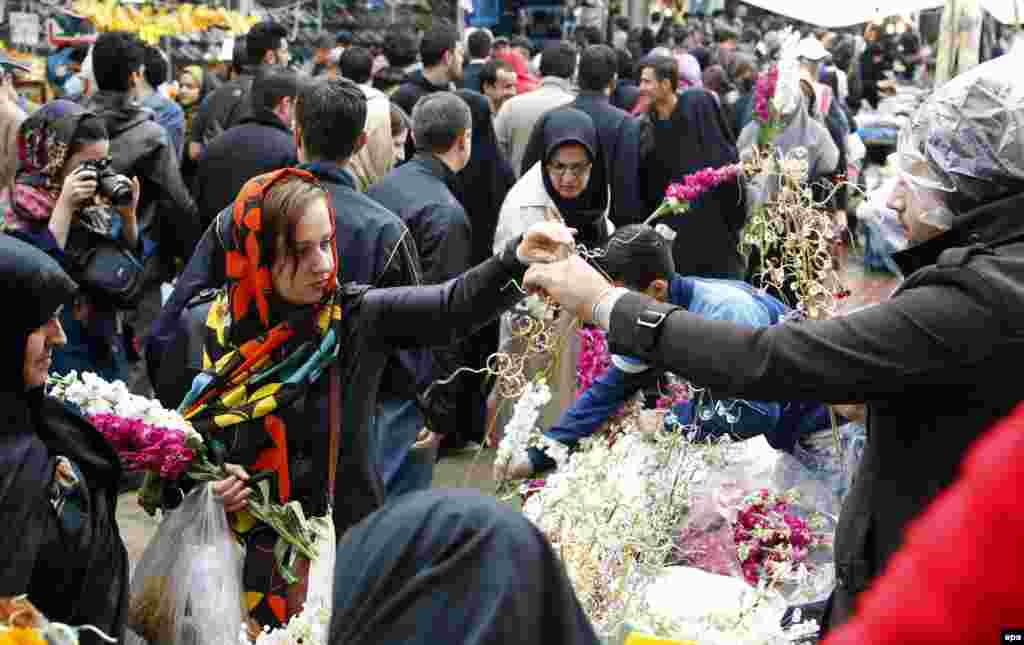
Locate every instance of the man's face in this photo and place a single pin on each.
(455, 61)
(281, 55)
(655, 90)
(502, 90)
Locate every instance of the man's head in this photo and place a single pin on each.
(598, 67)
(401, 47)
(639, 258)
(479, 44)
(118, 60)
(625, 64)
(267, 44)
(156, 67)
(330, 121)
(659, 79)
(356, 64)
(274, 89)
(522, 45)
(811, 53)
(727, 41)
(558, 60)
(498, 82)
(442, 125)
(440, 49)
(343, 39)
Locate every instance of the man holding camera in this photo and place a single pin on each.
(140, 147)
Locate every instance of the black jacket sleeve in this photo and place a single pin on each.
(923, 335)
(627, 206)
(440, 315)
(445, 244)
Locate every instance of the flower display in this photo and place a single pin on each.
(764, 112)
(680, 196)
(594, 358)
(142, 446)
(22, 624)
(772, 540)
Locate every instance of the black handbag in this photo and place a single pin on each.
(101, 265)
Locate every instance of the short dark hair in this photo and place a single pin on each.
(625, 64)
(388, 78)
(479, 44)
(400, 121)
(592, 35)
(156, 67)
(344, 38)
(440, 38)
(401, 47)
(622, 23)
(637, 255)
(558, 60)
(356, 64)
(522, 42)
(723, 35)
(438, 120)
(90, 130)
(598, 66)
(331, 114)
(271, 85)
(115, 57)
(264, 37)
(489, 72)
(665, 69)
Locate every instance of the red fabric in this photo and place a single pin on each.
(525, 81)
(958, 578)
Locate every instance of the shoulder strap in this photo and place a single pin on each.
(334, 420)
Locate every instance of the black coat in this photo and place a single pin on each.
(377, 322)
(222, 109)
(625, 95)
(415, 87)
(619, 134)
(261, 143)
(140, 147)
(932, 364)
(471, 77)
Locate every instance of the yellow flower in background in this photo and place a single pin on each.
(22, 636)
(636, 638)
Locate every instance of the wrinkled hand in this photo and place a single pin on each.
(234, 490)
(426, 439)
(130, 211)
(79, 187)
(572, 283)
(545, 242)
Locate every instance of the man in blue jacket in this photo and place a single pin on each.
(639, 258)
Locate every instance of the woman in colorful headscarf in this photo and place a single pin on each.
(525, 81)
(274, 334)
(50, 189)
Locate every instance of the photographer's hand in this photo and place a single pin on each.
(79, 187)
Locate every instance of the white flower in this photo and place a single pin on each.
(521, 430)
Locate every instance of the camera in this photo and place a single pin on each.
(111, 184)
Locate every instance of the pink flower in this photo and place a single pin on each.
(594, 358)
(144, 447)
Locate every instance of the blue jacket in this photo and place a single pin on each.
(729, 300)
(170, 115)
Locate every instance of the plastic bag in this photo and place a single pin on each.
(732, 505)
(187, 587)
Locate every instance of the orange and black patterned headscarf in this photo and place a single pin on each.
(248, 383)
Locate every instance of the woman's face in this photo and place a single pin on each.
(38, 352)
(399, 142)
(86, 152)
(300, 275)
(569, 170)
(188, 92)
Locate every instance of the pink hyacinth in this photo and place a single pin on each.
(594, 359)
(144, 447)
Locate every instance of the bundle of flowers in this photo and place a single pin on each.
(22, 624)
(147, 437)
(680, 196)
(765, 112)
(672, 393)
(594, 359)
(772, 540)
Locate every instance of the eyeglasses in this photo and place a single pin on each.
(575, 169)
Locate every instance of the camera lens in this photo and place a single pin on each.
(117, 188)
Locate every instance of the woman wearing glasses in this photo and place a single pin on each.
(566, 182)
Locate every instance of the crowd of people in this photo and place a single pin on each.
(263, 248)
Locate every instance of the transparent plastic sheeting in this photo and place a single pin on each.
(968, 137)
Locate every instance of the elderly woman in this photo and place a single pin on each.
(58, 475)
(282, 330)
(931, 362)
(50, 190)
(565, 181)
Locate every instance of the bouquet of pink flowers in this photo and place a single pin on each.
(594, 358)
(772, 540)
(679, 196)
(768, 119)
(142, 446)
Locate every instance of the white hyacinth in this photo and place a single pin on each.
(521, 431)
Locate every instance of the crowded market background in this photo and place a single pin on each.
(713, 303)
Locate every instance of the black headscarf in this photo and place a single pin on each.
(485, 181)
(585, 213)
(453, 567)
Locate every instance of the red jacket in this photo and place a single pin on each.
(959, 577)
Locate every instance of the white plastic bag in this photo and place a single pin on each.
(187, 587)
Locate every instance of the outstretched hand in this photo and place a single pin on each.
(545, 242)
(572, 283)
